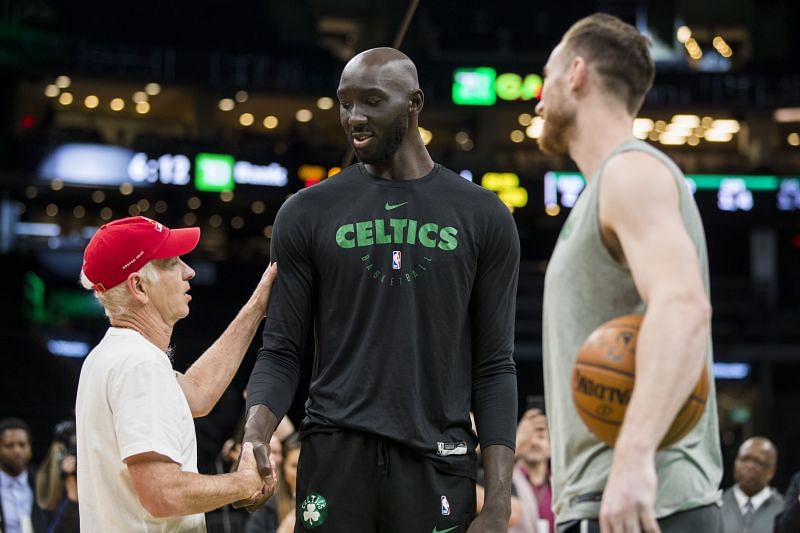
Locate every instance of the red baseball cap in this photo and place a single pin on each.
(126, 245)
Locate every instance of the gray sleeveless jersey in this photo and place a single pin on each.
(585, 287)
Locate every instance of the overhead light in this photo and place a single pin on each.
(325, 103)
(462, 137)
(728, 125)
(143, 108)
(671, 139)
(517, 136)
(787, 114)
(246, 119)
(270, 122)
(687, 120)
(65, 98)
(793, 139)
(226, 104)
(152, 89)
(51, 91)
(524, 119)
(303, 115)
(718, 136)
(62, 82)
(534, 131)
(241, 96)
(91, 101)
(139, 96)
(426, 135)
(683, 34)
(117, 104)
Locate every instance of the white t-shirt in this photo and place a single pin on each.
(129, 402)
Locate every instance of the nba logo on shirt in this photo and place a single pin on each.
(396, 263)
(445, 506)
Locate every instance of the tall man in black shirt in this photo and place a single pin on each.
(407, 274)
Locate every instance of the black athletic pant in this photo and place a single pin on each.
(352, 482)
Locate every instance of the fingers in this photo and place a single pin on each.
(649, 522)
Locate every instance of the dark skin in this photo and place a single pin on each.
(755, 465)
(15, 451)
(380, 102)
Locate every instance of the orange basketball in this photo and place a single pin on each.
(603, 377)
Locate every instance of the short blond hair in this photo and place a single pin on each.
(116, 300)
(619, 54)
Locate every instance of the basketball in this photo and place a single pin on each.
(603, 378)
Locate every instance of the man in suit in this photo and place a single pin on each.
(18, 510)
(750, 505)
(788, 520)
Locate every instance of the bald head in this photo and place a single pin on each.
(755, 465)
(384, 66)
(379, 105)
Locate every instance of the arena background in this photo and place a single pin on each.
(212, 113)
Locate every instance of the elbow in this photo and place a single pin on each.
(201, 410)
(159, 503)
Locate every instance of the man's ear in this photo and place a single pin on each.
(416, 102)
(136, 286)
(578, 73)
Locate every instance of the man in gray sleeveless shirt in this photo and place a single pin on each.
(633, 244)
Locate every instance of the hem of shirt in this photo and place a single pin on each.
(136, 449)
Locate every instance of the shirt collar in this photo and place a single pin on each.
(757, 499)
(8, 480)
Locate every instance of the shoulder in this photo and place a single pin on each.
(637, 171)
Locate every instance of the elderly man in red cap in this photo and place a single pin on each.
(137, 451)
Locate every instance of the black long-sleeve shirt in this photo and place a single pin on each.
(788, 520)
(410, 288)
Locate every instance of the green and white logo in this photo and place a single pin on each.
(313, 511)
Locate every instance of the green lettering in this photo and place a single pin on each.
(380, 236)
(399, 224)
(448, 240)
(408, 278)
(365, 258)
(364, 234)
(341, 236)
(412, 232)
(424, 234)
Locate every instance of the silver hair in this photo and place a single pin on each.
(115, 301)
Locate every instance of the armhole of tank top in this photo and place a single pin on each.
(598, 227)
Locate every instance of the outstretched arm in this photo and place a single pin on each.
(210, 375)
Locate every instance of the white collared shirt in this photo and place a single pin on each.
(757, 500)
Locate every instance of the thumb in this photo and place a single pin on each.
(246, 457)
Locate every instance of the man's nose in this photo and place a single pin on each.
(356, 117)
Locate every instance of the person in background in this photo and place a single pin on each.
(750, 505)
(788, 520)
(56, 481)
(19, 512)
(532, 474)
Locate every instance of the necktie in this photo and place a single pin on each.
(748, 513)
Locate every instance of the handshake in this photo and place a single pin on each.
(257, 471)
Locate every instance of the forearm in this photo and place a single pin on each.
(670, 355)
(498, 462)
(189, 493)
(211, 374)
(494, 404)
